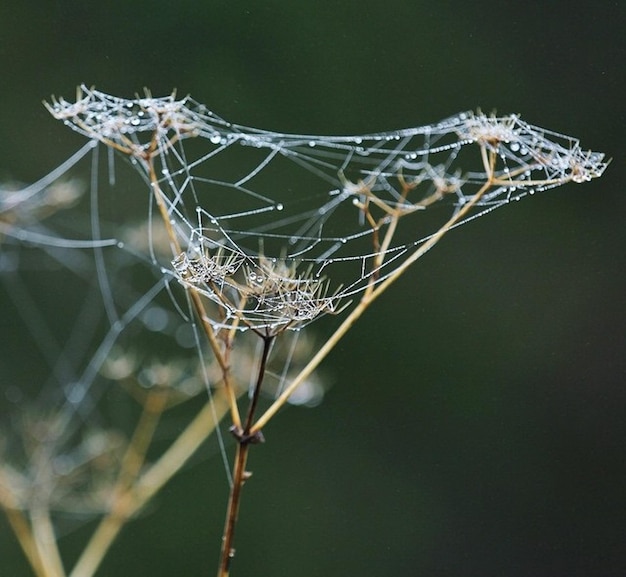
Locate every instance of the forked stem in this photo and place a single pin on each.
(364, 303)
(245, 438)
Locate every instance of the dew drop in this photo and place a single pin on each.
(215, 138)
(279, 206)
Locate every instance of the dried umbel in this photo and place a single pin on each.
(560, 158)
(45, 470)
(264, 294)
(348, 208)
(121, 122)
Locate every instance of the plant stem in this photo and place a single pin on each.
(364, 303)
(22, 531)
(46, 541)
(121, 505)
(245, 438)
(195, 297)
(234, 500)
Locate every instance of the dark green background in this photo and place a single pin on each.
(477, 422)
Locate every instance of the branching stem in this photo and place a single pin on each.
(369, 296)
(245, 439)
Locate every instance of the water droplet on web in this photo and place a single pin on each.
(215, 138)
(279, 206)
(75, 392)
(311, 143)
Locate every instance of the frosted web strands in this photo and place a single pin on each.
(323, 203)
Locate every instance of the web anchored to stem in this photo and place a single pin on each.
(268, 231)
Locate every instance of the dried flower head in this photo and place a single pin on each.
(559, 158)
(266, 295)
(77, 475)
(119, 121)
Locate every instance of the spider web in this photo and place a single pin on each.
(265, 196)
(292, 226)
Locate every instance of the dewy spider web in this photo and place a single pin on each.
(265, 231)
(249, 204)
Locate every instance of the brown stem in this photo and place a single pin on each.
(367, 299)
(111, 524)
(240, 475)
(46, 541)
(195, 297)
(234, 500)
(24, 535)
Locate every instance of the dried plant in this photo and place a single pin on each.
(260, 262)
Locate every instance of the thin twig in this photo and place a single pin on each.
(245, 439)
(46, 541)
(195, 297)
(22, 531)
(111, 524)
(361, 307)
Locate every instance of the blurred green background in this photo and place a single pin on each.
(476, 426)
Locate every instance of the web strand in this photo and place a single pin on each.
(272, 197)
